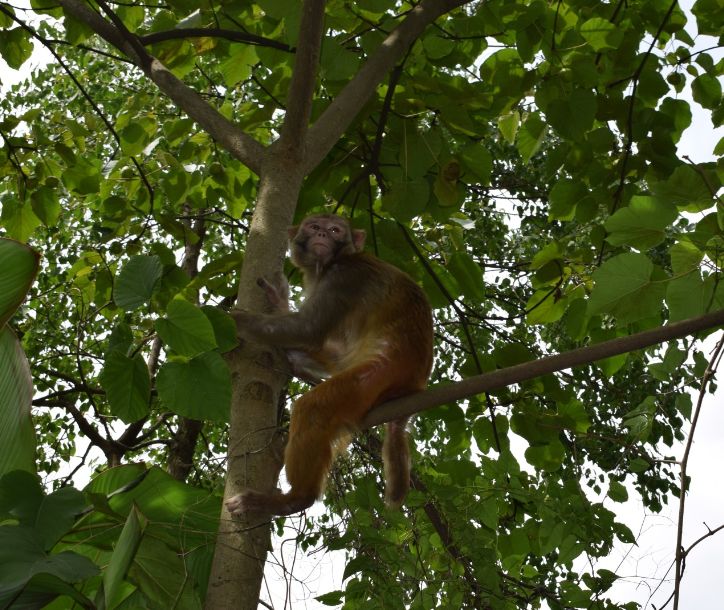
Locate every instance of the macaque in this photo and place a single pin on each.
(366, 327)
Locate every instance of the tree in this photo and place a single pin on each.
(517, 159)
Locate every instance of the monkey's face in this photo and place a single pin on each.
(320, 239)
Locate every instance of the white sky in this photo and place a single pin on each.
(643, 565)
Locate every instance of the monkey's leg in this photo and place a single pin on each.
(318, 420)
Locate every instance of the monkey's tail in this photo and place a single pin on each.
(396, 461)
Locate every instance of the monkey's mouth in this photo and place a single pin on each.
(321, 247)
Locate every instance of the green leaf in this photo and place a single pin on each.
(162, 575)
(134, 139)
(57, 513)
(468, 275)
(508, 125)
(709, 16)
(688, 188)
(564, 197)
(407, 199)
(684, 405)
(199, 389)
(22, 557)
(19, 219)
(45, 204)
(531, 136)
(224, 328)
(625, 288)
(127, 383)
(333, 598)
(548, 457)
(186, 329)
(685, 296)
(641, 224)
(20, 496)
(122, 557)
(436, 46)
(15, 47)
(685, 257)
(18, 266)
(639, 420)
(545, 306)
(82, 178)
(616, 491)
(478, 160)
(706, 90)
(134, 283)
(237, 68)
(573, 116)
(17, 434)
(601, 34)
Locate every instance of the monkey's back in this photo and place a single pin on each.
(391, 319)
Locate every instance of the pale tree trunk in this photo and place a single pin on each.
(255, 445)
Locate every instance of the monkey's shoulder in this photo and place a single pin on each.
(362, 266)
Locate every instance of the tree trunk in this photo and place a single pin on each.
(258, 376)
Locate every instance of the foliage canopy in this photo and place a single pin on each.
(517, 158)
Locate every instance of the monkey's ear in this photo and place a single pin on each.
(292, 231)
(358, 239)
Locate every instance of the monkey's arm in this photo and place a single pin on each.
(287, 330)
(347, 287)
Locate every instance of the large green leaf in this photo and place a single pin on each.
(127, 383)
(20, 496)
(186, 329)
(17, 435)
(641, 224)
(135, 282)
(23, 559)
(601, 33)
(627, 286)
(15, 47)
(122, 558)
(161, 574)
(199, 388)
(18, 266)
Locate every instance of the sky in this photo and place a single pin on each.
(647, 567)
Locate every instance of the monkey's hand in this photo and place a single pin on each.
(235, 505)
(277, 294)
(249, 501)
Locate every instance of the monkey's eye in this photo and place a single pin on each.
(314, 227)
(334, 229)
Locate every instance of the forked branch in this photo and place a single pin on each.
(334, 121)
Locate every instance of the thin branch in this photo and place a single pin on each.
(442, 394)
(680, 553)
(304, 79)
(232, 35)
(329, 127)
(242, 146)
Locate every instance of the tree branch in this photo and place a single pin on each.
(233, 35)
(442, 394)
(227, 134)
(328, 128)
(680, 553)
(304, 78)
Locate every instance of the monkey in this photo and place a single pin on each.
(366, 328)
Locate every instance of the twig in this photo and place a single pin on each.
(680, 552)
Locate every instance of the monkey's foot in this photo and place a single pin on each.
(251, 501)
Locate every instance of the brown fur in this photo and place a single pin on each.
(365, 324)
